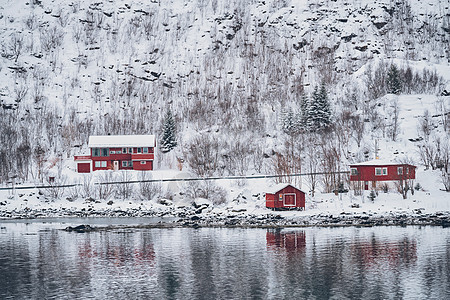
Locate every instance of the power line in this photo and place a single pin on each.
(177, 180)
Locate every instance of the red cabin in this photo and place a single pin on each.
(285, 196)
(118, 152)
(371, 174)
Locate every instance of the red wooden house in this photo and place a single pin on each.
(371, 174)
(118, 152)
(285, 196)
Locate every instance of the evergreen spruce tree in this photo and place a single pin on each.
(304, 107)
(168, 141)
(288, 122)
(393, 81)
(319, 112)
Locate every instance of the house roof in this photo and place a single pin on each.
(279, 187)
(378, 162)
(99, 141)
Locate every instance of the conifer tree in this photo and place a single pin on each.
(168, 141)
(288, 122)
(393, 82)
(319, 112)
(304, 107)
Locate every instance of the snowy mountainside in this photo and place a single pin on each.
(70, 69)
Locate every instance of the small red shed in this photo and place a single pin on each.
(284, 196)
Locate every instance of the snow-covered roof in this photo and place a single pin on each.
(378, 162)
(278, 187)
(99, 141)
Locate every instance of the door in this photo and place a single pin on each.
(366, 185)
(116, 165)
(289, 200)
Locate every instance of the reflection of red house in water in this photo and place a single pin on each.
(285, 196)
(118, 152)
(394, 253)
(118, 254)
(290, 241)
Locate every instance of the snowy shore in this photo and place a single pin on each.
(195, 217)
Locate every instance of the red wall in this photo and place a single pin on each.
(125, 157)
(367, 173)
(147, 167)
(84, 167)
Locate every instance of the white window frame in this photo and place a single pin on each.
(96, 152)
(112, 152)
(145, 150)
(130, 150)
(353, 171)
(139, 150)
(378, 172)
(385, 171)
(103, 163)
(399, 170)
(97, 164)
(124, 164)
(290, 194)
(143, 162)
(124, 150)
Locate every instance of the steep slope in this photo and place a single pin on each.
(69, 69)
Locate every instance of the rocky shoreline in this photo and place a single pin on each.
(198, 218)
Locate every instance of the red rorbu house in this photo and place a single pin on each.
(285, 196)
(118, 152)
(372, 174)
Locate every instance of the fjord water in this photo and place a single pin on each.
(40, 261)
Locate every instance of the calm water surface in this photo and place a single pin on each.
(39, 261)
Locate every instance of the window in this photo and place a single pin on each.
(130, 164)
(400, 170)
(407, 170)
(143, 162)
(384, 171)
(112, 152)
(130, 150)
(100, 164)
(145, 150)
(124, 163)
(139, 150)
(377, 171)
(105, 152)
(354, 171)
(118, 152)
(124, 150)
(95, 152)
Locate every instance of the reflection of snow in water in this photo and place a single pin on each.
(39, 260)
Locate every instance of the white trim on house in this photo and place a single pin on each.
(289, 194)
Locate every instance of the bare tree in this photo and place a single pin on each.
(312, 166)
(16, 45)
(203, 155)
(56, 187)
(147, 189)
(425, 126)
(124, 189)
(394, 122)
(105, 189)
(51, 38)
